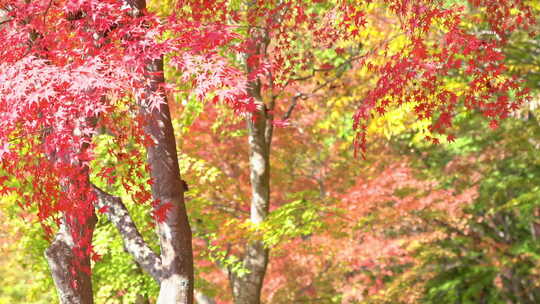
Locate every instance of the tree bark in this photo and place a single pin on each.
(68, 255)
(247, 288)
(71, 273)
(176, 284)
(135, 245)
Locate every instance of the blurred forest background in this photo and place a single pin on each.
(413, 222)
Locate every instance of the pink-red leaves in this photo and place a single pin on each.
(160, 211)
(428, 63)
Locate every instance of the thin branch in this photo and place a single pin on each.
(477, 237)
(204, 235)
(315, 71)
(294, 101)
(230, 210)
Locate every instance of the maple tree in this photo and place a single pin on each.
(58, 108)
(75, 69)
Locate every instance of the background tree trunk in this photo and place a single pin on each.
(247, 288)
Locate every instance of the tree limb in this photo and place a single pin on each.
(134, 243)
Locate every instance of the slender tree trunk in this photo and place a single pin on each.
(68, 255)
(174, 232)
(70, 264)
(247, 288)
(71, 273)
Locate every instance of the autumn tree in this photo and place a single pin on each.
(57, 92)
(272, 62)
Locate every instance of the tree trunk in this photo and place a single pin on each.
(176, 279)
(68, 255)
(247, 288)
(71, 273)
(176, 284)
(70, 266)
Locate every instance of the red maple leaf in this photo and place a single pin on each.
(160, 212)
